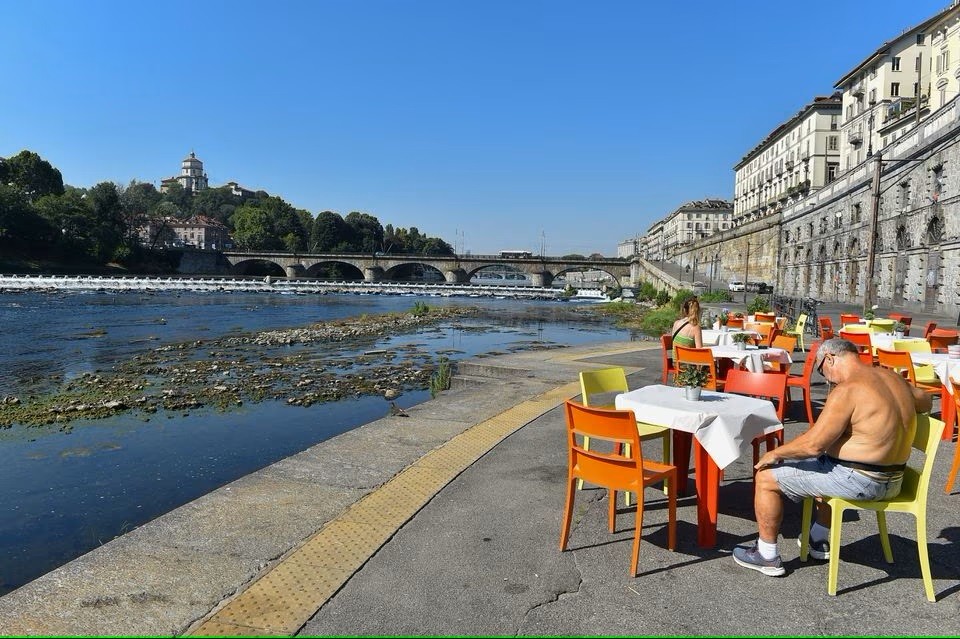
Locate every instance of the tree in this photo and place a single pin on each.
(180, 198)
(252, 228)
(138, 201)
(369, 232)
(19, 222)
(31, 175)
(108, 228)
(218, 204)
(329, 232)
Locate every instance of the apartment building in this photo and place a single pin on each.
(798, 157)
(694, 221)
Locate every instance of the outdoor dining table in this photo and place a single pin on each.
(714, 337)
(751, 358)
(885, 340)
(720, 427)
(945, 367)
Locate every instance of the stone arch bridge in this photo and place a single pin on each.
(456, 269)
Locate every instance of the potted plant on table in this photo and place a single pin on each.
(692, 377)
(740, 339)
(899, 329)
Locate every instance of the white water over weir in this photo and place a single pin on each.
(264, 285)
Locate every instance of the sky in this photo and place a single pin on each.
(554, 126)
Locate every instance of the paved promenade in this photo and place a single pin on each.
(447, 522)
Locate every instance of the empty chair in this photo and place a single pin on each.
(700, 357)
(929, 328)
(802, 381)
(903, 319)
(881, 325)
(734, 322)
(666, 346)
(912, 499)
(614, 380)
(613, 470)
(941, 338)
(787, 343)
(856, 328)
(952, 475)
(798, 330)
(849, 318)
(901, 362)
(764, 317)
(763, 330)
(862, 340)
(772, 386)
(923, 372)
(826, 328)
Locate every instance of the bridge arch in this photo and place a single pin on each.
(257, 266)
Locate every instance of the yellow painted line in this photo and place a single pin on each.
(286, 596)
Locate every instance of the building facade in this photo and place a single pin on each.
(798, 157)
(694, 221)
(191, 178)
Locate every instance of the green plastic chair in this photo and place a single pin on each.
(924, 373)
(881, 325)
(912, 499)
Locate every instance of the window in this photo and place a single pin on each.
(832, 171)
(943, 96)
(873, 96)
(833, 142)
(916, 89)
(920, 39)
(857, 213)
(833, 123)
(895, 89)
(895, 64)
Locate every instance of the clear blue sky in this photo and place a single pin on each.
(494, 124)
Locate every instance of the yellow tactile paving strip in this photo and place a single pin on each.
(287, 596)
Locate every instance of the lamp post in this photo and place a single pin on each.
(746, 273)
(869, 291)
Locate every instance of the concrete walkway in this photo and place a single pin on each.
(423, 531)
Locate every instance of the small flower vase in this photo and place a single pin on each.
(741, 346)
(692, 393)
(898, 334)
(723, 328)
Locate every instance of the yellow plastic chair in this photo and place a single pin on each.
(881, 325)
(912, 499)
(856, 328)
(924, 373)
(614, 380)
(798, 330)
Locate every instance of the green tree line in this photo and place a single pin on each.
(40, 215)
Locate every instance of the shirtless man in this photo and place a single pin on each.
(857, 450)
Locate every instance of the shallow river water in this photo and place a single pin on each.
(65, 493)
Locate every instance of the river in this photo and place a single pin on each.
(65, 492)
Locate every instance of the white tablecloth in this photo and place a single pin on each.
(712, 337)
(943, 366)
(724, 424)
(752, 358)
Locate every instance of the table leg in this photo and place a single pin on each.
(707, 477)
(681, 458)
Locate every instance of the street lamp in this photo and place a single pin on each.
(746, 273)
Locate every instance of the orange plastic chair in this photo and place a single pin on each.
(826, 328)
(902, 362)
(929, 328)
(700, 357)
(941, 338)
(849, 318)
(764, 317)
(787, 343)
(614, 470)
(903, 319)
(956, 451)
(802, 381)
(772, 386)
(862, 340)
(735, 322)
(764, 330)
(912, 499)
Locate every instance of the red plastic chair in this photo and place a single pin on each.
(802, 381)
(952, 476)
(772, 386)
(826, 328)
(666, 346)
(929, 328)
(613, 470)
(941, 338)
(849, 318)
(862, 340)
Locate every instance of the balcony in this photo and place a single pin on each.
(789, 165)
(855, 137)
(857, 88)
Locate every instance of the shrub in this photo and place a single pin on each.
(419, 309)
(658, 321)
(440, 380)
(662, 298)
(680, 297)
(758, 305)
(647, 292)
(716, 296)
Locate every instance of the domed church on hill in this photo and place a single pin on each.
(191, 178)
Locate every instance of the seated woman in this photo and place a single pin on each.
(686, 330)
